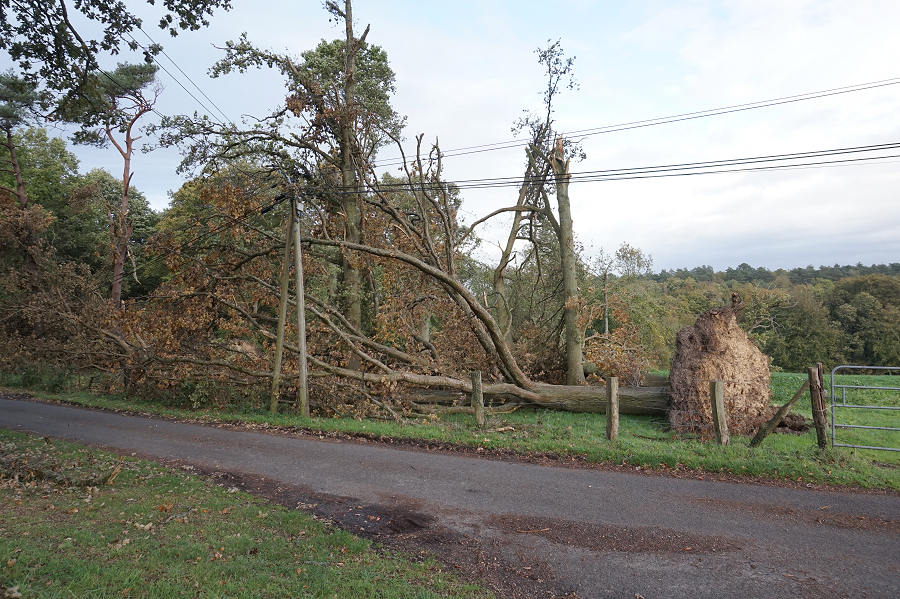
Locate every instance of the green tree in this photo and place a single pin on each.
(20, 103)
(47, 167)
(86, 231)
(868, 311)
(337, 115)
(22, 225)
(108, 108)
(805, 333)
(43, 36)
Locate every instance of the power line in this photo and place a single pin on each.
(651, 175)
(653, 172)
(505, 145)
(186, 76)
(711, 167)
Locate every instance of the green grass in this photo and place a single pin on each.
(160, 532)
(643, 442)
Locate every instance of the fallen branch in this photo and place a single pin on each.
(779, 416)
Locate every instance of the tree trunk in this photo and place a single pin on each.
(650, 401)
(503, 312)
(574, 340)
(120, 225)
(349, 182)
(20, 194)
(640, 401)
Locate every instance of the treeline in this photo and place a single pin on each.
(745, 273)
(835, 315)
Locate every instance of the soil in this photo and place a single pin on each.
(417, 535)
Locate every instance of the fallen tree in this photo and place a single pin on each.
(387, 306)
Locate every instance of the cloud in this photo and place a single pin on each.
(466, 70)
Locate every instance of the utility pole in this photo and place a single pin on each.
(606, 305)
(303, 392)
(292, 234)
(282, 314)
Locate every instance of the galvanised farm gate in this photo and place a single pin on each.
(866, 413)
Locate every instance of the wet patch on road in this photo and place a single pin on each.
(604, 537)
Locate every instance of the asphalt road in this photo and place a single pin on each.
(594, 533)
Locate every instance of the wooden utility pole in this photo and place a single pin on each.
(282, 317)
(606, 305)
(303, 391)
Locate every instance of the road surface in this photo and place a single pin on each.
(532, 530)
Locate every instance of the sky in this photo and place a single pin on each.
(467, 70)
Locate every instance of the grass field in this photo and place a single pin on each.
(644, 442)
(68, 530)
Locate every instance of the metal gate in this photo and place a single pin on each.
(862, 407)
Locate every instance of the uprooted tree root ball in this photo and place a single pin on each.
(716, 349)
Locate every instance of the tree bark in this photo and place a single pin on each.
(641, 401)
(121, 232)
(649, 401)
(574, 335)
(349, 181)
(19, 193)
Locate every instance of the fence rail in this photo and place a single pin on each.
(840, 403)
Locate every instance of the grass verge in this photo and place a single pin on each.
(77, 522)
(644, 442)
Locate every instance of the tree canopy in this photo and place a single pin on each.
(41, 36)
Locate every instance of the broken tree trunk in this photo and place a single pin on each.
(639, 401)
(574, 333)
(650, 401)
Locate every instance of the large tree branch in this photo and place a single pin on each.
(423, 380)
(498, 344)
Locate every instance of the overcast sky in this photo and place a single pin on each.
(467, 69)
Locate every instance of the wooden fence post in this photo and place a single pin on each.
(612, 408)
(817, 402)
(717, 400)
(477, 398)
